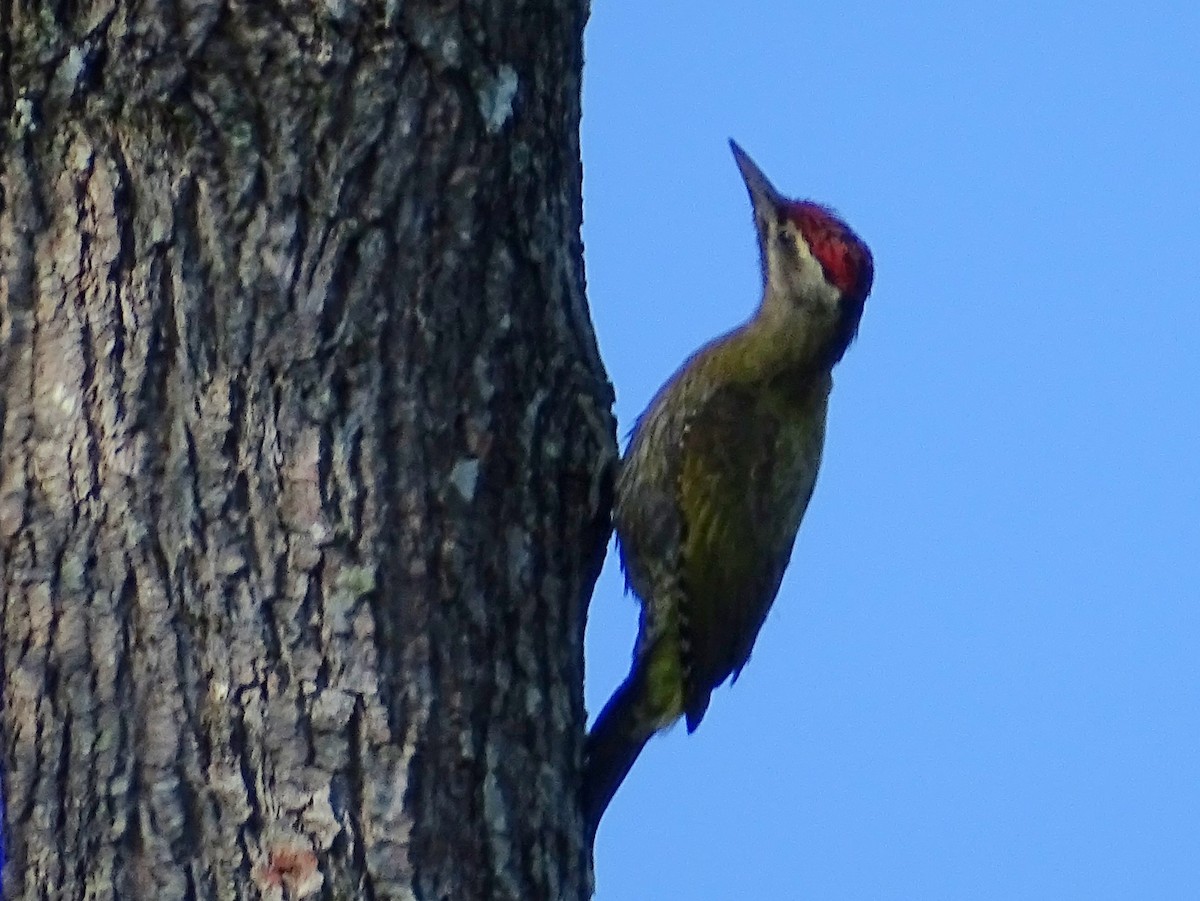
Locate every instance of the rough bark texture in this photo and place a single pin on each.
(305, 449)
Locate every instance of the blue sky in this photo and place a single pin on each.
(981, 678)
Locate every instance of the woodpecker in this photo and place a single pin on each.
(718, 474)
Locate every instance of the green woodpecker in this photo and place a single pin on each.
(718, 474)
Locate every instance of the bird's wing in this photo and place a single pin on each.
(747, 484)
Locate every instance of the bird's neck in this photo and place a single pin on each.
(772, 355)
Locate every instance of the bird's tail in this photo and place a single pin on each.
(614, 743)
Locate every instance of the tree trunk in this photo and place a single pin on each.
(305, 449)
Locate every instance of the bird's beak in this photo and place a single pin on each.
(763, 196)
(767, 202)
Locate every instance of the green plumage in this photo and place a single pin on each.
(728, 454)
(717, 477)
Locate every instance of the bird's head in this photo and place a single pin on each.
(816, 270)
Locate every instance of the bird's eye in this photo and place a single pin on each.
(784, 237)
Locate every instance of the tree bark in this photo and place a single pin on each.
(306, 449)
